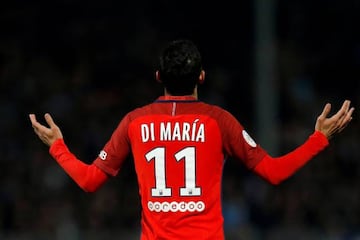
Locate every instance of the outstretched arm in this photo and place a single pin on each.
(88, 177)
(276, 170)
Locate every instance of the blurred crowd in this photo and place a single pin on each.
(89, 63)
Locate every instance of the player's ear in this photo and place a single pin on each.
(202, 77)
(157, 76)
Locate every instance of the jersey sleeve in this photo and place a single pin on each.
(238, 143)
(116, 150)
(88, 177)
(275, 170)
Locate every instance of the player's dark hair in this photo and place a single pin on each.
(180, 66)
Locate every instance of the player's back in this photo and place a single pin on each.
(178, 154)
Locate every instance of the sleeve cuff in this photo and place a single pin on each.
(56, 147)
(321, 138)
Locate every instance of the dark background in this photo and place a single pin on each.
(90, 62)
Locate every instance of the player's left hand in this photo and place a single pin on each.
(47, 134)
(336, 123)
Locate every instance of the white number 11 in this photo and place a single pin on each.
(160, 190)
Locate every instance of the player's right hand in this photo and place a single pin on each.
(47, 134)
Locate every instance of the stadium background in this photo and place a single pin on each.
(89, 62)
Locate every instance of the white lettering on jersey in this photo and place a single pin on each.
(191, 206)
(176, 131)
(147, 132)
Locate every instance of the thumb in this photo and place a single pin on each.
(49, 120)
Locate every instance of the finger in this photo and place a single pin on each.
(32, 118)
(348, 115)
(50, 120)
(343, 110)
(38, 128)
(347, 118)
(345, 115)
(34, 122)
(325, 111)
(36, 131)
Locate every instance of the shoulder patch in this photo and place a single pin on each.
(103, 155)
(248, 139)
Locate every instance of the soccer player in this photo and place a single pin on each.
(179, 145)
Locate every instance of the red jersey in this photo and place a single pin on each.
(179, 145)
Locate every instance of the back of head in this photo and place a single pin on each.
(179, 67)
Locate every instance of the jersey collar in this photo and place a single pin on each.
(187, 98)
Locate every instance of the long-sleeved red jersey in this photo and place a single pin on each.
(179, 146)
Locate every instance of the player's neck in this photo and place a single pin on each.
(194, 95)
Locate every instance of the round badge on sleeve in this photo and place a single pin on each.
(248, 139)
